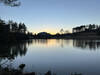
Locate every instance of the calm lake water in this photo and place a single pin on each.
(60, 56)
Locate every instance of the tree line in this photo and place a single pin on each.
(11, 31)
(12, 26)
(90, 27)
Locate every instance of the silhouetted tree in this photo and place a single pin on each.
(14, 27)
(2, 22)
(89, 27)
(61, 31)
(11, 2)
(13, 31)
(66, 32)
(10, 22)
(22, 28)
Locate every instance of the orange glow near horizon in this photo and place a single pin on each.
(51, 42)
(48, 30)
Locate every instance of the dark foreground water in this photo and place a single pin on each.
(60, 56)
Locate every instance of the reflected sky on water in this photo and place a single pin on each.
(58, 55)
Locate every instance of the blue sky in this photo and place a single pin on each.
(52, 15)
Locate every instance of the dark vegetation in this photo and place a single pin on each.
(87, 31)
(45, 35)
(12, 31)
(11, 3)
(87, 28)
(19, 71)
(90, 31)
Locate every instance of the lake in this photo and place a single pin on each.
(61, 56)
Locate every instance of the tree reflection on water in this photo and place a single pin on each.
(91, 44)
(12, 50)
(82, 43)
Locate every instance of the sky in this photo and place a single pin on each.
(52, 15)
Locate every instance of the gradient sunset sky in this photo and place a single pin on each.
(52, 15)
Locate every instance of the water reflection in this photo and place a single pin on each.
(83, 44)
(52, 42)
(20, 49)
(91, 44)
(11, 51)
(40, 41)
(58, 55)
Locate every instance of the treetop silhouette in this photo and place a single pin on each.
(11, 3)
